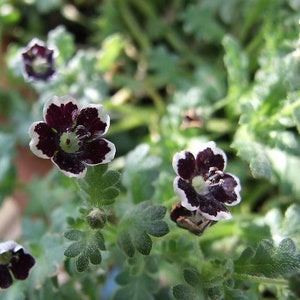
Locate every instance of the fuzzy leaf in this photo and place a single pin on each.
(73, 235)
(137, 282)
(140, 170)
(86, 249)
(253, 152)
(100, 185)
(63, 41)
(73, 250)
(144, 219)
(285, 226)
(183, 292)
(268, 260)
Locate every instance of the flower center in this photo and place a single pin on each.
(5, 258)
(69, 142)
(40, 65)
(200, 185)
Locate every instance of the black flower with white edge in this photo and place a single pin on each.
(38, 61)
(72, 137)
(14, 262)
(202, 185)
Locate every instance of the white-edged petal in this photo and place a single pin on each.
(237, 191)
(58, 101)
(70, 174)
(220, 215)
(102, 115)
(35, 140)
(177, 156)
(182, 196)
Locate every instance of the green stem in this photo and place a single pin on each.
(260, 279)
(133, 26)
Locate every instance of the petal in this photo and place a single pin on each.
(184, 164)
(186, 194)
(21, 264)
(9, 246)
(212, 209)
(94, 119)
(210, 157)
(60, 113)
(228, 190)
(5, 277)
(44, 141)
(69, 164)
(99, 151)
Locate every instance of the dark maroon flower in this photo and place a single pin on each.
(72, 137)
(14, 260)
(202, 185)
(38, 61)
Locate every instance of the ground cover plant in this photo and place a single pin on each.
(170, 135)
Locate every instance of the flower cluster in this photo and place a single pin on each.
(38, 61)
(203, 188)
(72, 137)
(14, 260)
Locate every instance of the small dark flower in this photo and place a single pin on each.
(14, 260)
(190, 220)
(38, 61)
(202, 185)
(191, 118)
(72, 137)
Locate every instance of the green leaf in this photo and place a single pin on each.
(100, 185)
(74, 249)
(142, 242)
(110, 51)
(183, 292)
(138, 284)
(73, 235)
(63, 41)
(285, 226)
(268, 260)
(144, 219)
(82, 263)
(86, 249)
(125, 243)
(253, 152)
(140, 170)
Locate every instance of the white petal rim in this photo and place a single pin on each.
(34, 141)
(237, 191)
(177, 156)
(58, 101)
(182, 196)
(102, 115)
(70, 174)
(220, 215)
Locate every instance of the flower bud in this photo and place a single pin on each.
(96, 218)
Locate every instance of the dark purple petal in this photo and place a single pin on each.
(69, 164)
(207, 159)
(228, 190)
(212, 209)
(21, 264)
(186, 193)
(97, 151)
(5, 277)
(60, 114)
(184, 164)
(44, 141)
(93, 119)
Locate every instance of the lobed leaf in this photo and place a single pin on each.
(268, 260)
(143, 220)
